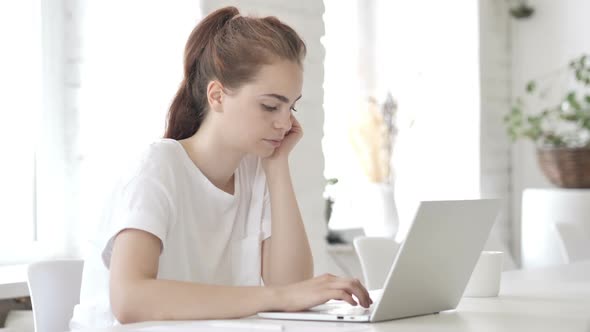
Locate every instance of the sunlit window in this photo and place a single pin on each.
(425, 54)
(132, 67)
(20, 110)
(70, 123)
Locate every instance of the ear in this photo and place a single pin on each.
(215, 95)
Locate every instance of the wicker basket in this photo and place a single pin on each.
(566, 167)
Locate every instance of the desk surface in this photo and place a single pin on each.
(548, 299)
(13, 281)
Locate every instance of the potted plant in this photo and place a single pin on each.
(559, 129)
(372, 137)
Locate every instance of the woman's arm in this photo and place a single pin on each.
(286, 254)
(136, 295)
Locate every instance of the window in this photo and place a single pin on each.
(85, 86)
(426, 54)
(130, 72)
(20, 111)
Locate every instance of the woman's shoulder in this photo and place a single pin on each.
(159, 159)
(164, 149)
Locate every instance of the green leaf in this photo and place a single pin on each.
(571, 99)
(332, 181)
(511, 133)
(568, 117)
(516, 110)
(533, 133)
(530, 86)
(579, 75)
(587, 98)
(583, 60)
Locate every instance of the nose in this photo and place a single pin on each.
(283, 121)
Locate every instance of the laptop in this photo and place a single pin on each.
(431, 270)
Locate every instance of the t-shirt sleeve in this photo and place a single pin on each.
(144, 204)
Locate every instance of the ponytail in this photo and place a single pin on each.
(188, 107)
(230, 48)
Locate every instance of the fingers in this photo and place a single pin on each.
(354, 286)
(306, 294)
(350, 286)
(339, 294)
(295, 123)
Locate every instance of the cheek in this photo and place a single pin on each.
(246, 122)
(252, 120)
(244, 129)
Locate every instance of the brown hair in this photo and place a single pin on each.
(230, 48)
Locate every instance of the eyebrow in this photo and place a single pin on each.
(280, 97)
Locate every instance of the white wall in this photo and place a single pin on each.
(557, 32)
(72, 60)
(495, 80)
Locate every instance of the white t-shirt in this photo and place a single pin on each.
(208, 236)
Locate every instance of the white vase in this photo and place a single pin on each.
(377, 204)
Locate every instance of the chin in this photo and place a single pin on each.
(263, 152)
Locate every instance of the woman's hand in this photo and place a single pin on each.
(281, 154)
(309, 293)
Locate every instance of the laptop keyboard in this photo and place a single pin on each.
(340, 308)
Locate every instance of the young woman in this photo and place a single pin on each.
(189, 236)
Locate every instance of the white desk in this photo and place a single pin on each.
(13, 281)
(548, 299)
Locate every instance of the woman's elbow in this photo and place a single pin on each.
(124, 305)
(122, 309)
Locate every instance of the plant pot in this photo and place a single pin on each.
(566, 167)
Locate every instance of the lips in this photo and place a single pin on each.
(274, 142)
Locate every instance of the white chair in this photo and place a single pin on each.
(376, 255)
(544, 210)
(574, 241)
(54, 288)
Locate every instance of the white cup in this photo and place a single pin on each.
(485, 279)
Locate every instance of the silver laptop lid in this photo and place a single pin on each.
(435, 261)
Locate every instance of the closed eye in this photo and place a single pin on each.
(274, 108)
(269, 108)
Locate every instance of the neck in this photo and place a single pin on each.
(215, 160)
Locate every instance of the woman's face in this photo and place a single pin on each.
(257, 116)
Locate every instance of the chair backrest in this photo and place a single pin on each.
(376, 255)
(54, 287)
(574, 241)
